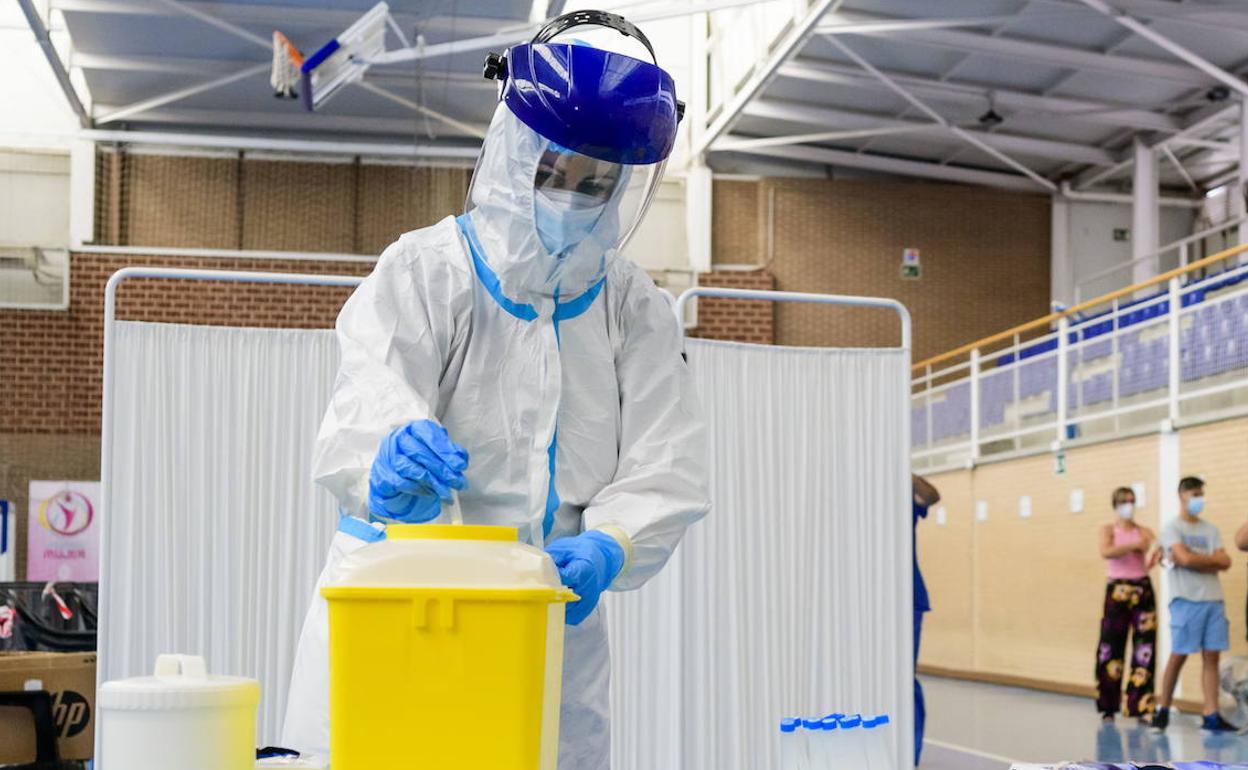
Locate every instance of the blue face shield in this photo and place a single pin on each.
(572, 159)
(602, 104)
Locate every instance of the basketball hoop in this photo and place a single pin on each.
(344, 59)
(287, 62)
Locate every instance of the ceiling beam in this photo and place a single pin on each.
(295, 121)
(499, 39)
(169, 65)
(1178, 166)
(1223, 16)
(40, 30)
(287, 17)
(738, 143)
(763, 72)
(1215, 181)
(905, 25)
(553, 10)
(137, 108)
(1050, 54)
(268, 143)
(832, 119)
(1207, 144)
(1203, 120)
(420, 109)
(1097, 175)
(181, 65)
(1169, 46)
(213, 20)
(889, 165)
(1065, 108)
(940, 120)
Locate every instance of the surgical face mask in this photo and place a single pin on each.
(1195, 505)
(1126, 510)
(564, 218)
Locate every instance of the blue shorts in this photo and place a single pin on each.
(1196, 626)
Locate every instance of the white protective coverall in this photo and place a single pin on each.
(479, 344)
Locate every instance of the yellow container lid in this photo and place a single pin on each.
(451, 532)
(451, 556)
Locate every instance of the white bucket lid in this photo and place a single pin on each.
(179, 682)
(447, 556)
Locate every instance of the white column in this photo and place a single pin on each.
(1061, 262)
(1145, 212)
(698, 195)
(1167, 502)
(81, 192)
(1063, 381)
(696, 100)
(974, 453)
(1174, 330)
(1238, 205)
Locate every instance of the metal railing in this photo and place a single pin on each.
(1178, 253)
(1145, 360)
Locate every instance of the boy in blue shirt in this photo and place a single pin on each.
(1197, 614)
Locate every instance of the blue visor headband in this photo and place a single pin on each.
(602, 104)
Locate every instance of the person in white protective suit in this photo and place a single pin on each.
(509, 353)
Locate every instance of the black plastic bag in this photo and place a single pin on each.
(48, 617)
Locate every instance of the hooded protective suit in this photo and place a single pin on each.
(562, 375)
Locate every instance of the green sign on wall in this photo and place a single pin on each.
(911, 267)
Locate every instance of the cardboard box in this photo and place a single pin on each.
(70, 677)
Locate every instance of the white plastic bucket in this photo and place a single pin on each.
(181, 717)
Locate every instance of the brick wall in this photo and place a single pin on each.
(985, 256)
(738, 230)
(739, 320)
(280, 205)
(51, 362)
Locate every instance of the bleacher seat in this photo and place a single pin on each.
(1214, 342)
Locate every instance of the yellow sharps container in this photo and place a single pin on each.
(445, 651)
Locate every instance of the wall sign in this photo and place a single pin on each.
(1076, 501)
(1141, 496)
(911, 267)
(63, 531)
(8, 548)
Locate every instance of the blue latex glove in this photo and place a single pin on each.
(587, 564)
(415, 469)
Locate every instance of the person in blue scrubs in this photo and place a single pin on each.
(925, 496)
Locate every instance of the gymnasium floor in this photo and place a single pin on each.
(973, 726)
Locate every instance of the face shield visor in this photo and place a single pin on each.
(583, 134)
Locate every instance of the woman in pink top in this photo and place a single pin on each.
(1130, 608)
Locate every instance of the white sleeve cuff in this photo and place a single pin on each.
(617, 534)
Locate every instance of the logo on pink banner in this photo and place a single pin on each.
(63, 531)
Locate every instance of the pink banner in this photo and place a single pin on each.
(63, 531)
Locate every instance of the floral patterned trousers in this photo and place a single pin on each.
(1130, 609)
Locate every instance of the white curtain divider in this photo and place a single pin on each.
(793, 597)
(216, 530)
